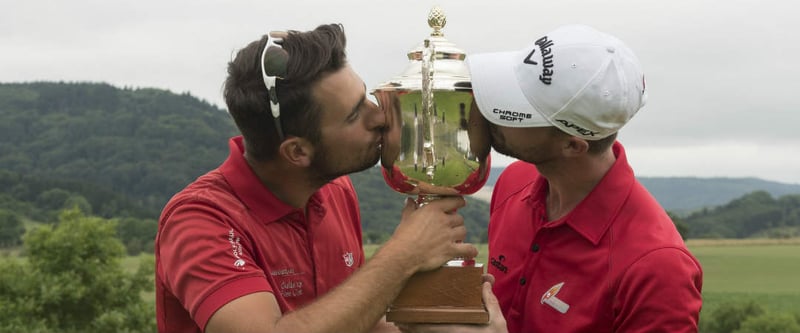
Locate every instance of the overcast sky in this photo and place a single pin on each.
(721, 74)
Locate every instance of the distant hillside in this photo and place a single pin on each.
(685, 194)
(125, 152)
(143, 143)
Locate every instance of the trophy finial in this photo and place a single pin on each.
(437, 20)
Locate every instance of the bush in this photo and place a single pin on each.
(74, 281)
(11, 229)
(770, 323)
(729, 316)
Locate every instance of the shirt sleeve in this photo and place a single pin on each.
(207, 260)
(660, 292)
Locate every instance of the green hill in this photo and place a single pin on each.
(144, 144)
(683, 195)
(127, 151)
(124, 152)
(687, 194)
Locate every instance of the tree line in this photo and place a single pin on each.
(757, 214)
(122, 153)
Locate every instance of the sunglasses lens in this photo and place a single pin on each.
(275, 61)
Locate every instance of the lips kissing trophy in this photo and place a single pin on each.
(430, 150)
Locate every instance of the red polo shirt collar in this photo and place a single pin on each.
(248, 188)
(592, 217)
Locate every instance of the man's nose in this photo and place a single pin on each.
(377, 116)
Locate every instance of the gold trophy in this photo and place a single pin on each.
(428, 152)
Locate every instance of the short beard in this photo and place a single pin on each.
(324, 171)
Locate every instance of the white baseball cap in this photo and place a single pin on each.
(585, 82)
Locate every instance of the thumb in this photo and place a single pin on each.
(410, 207)
(492, 305)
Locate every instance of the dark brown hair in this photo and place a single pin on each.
(312, 55)
(599, 146)
(596, 147)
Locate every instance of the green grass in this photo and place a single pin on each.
(131, 264)
(766, 272)
(762, 269)
(483, 252)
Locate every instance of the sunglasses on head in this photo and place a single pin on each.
(273, 67)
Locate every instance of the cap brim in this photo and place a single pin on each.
(497, 91)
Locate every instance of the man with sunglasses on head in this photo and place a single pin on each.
(271, 240)
(576, 243)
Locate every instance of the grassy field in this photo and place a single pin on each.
(765, 271)
(483, 251)
(131, 264)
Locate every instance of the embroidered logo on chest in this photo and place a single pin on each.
(549, 298)
(498, 263)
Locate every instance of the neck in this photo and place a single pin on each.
(570, 181)
(287, 183)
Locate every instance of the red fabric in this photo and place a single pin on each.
(623, 265)
(397, 180)
(476, 180)
(228, 216)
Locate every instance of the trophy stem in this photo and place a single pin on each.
(429, 156)
(424, 199)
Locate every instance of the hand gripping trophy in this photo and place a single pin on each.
(432, 148)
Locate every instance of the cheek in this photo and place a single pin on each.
(495, 134)
(345, 137)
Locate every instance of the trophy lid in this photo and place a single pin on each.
(449, 70)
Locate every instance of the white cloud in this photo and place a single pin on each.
(721, 74)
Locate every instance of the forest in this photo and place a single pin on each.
(122, 153)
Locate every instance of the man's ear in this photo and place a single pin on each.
(576, 146)
(296, 151)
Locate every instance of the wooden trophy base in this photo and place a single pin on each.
(448, 295)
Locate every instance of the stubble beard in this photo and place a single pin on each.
(327, 167)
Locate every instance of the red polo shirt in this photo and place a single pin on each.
(615, 263)
(226, 235)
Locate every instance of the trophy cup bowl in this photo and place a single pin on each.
(433, 148)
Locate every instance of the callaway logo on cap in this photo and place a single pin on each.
(585, 82)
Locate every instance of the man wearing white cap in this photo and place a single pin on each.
(576, 243)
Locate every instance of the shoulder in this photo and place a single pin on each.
(340, 192)
(667, 262)
(519, 169)
(514, 179)
(340, 188)
(210, 192)
(343, 183)
(667, 281)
